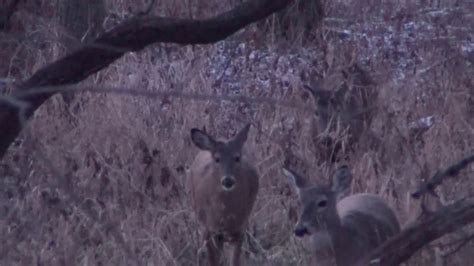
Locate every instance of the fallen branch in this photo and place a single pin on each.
(458, 244)
(438, 178)
(132, 35)
(402, 246)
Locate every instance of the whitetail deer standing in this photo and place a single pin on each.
(344, 229)
(223, 187)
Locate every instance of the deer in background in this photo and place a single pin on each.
(223, 187)
(345, 106)
(343, 228)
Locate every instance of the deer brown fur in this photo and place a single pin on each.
(223, 187)
(343, 229)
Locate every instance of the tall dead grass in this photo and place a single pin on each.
(125, 157)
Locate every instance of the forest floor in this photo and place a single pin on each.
(98, 178)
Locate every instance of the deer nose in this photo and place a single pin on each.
(300, 231)
(228, 182)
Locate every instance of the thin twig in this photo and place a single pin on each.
(162, 94)
(435, 64)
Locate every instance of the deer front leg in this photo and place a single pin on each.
(236, 242)
(214, 244)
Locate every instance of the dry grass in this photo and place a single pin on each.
(104, 174)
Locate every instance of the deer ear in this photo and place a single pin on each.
(202, 140)
(241, 137)
(296, 180)
(342, 180)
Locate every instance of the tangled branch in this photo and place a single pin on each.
(438, 178)
(132, 35)
(401, 247)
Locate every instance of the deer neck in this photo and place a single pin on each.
(340, 236)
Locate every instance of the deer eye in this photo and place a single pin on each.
(217, 159)
(237, 158)
(322, 203)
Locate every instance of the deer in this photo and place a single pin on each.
(223, 186)
(343, 228)
(345, 106)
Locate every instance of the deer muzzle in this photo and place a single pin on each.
(228, 182)
(301, 230)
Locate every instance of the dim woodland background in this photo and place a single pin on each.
(96, 176)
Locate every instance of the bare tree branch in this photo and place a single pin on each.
(459, 243)
(417, 235)
(438, 178)
(402, 246)
(133, 91)
(132, 35)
